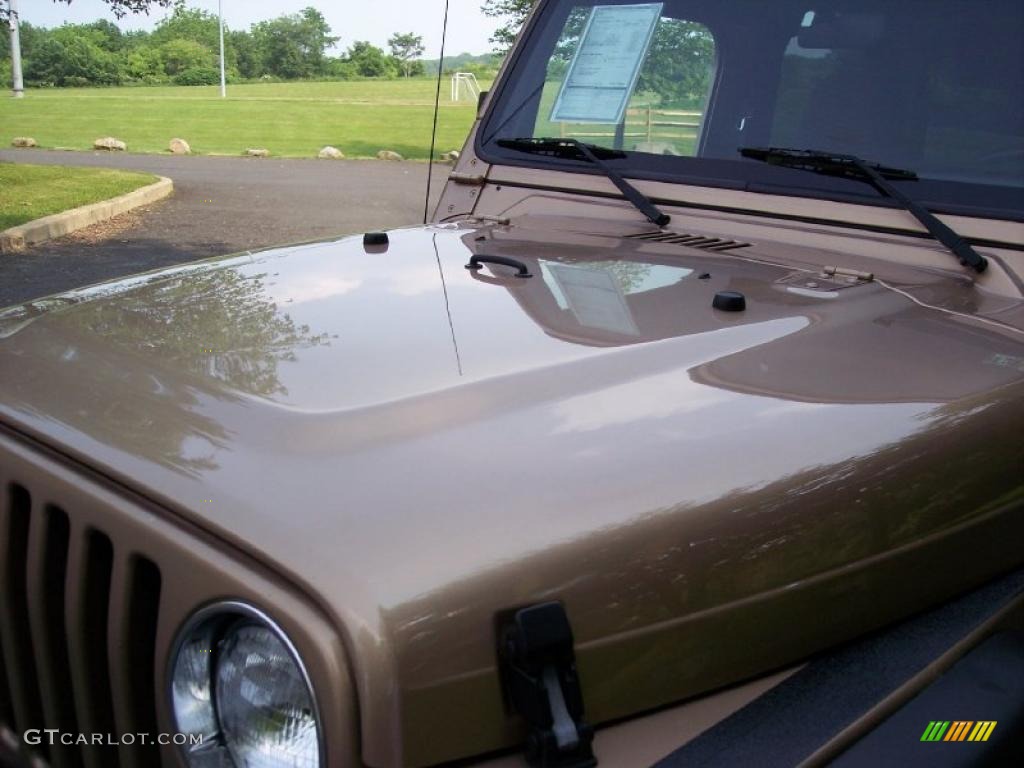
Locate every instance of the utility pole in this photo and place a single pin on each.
(18, 86)
(220, 19)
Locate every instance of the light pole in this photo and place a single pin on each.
(18, 87)
(220, 20)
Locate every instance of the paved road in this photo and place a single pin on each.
(220, 205)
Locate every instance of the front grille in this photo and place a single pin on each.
(78, 619)
(703, 242)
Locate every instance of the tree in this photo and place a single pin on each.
(679, 63)
(370, 61)
(247, 54)
(98, 33)
(71, 60)
(106, 34)
(295, 45)
(122, 7)
(189, 24)
(119, 7)
(514, 13)
(406, 48)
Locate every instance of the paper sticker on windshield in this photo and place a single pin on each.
(607, 63)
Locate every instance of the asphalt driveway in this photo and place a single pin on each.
(220, 205)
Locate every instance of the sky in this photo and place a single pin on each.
(351, 20)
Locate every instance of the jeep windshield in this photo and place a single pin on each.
(678, 88)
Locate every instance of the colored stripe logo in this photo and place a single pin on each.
(958, 730)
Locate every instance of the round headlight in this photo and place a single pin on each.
(192, 685)
(263, 703)
(238, 683)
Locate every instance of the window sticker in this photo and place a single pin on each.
(604, 71)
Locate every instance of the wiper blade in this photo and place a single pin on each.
(853, 167)
(570, 148)
(578, 150)
(827, 163)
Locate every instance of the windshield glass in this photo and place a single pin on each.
(933, 86)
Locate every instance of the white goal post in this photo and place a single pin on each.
(465, 82)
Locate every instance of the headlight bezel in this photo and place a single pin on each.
(216, 619)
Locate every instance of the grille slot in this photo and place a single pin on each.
(142, 614)
(49, 533)
(690, 241)
(6, 709)
(90, 565)
(78, 621)
(14, 623)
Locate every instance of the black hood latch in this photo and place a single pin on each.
(538, 667)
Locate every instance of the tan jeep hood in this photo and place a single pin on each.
(710, 494)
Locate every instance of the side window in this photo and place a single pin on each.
(665, 109)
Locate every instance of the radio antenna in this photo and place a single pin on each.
(437, 104)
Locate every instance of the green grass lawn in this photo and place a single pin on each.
(30, 192)
(289, 119)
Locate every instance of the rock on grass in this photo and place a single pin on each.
(387, 154)
(110, 144)
(179, 147)
(331, 153)
(257, 152)
(25, 142)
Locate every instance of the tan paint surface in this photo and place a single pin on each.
(419, 447)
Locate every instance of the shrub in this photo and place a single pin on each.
(341, 69)
(181, 55)
(144, 64)
(198, 76)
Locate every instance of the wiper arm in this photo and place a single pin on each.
(853, 167)
(577, 150)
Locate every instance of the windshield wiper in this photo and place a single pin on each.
(853, 167)
(577, 150)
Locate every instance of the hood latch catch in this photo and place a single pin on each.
(850, 275)
(541, 684)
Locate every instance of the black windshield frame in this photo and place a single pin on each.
(525, 71)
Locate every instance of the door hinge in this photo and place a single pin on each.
(541, 684)
(470, 179)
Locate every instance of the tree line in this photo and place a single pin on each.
(183, 49)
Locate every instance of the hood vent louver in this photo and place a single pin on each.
(690, 241)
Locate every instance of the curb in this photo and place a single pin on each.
(59, 224)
